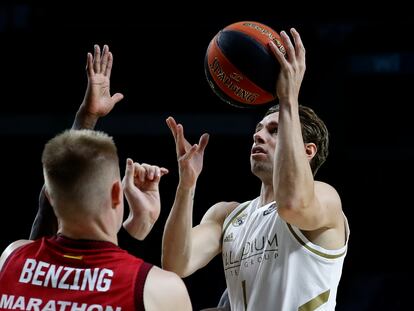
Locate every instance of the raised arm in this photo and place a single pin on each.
(184, 248)
(97, 103)
(302, 202)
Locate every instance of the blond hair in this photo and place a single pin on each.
(79, 167)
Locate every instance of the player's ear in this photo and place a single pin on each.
(116, 194)
(310, 150)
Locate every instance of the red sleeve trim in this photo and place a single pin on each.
(140, 283)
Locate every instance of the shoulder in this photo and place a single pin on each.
(165, 290)
(219, 211)
(11, 248)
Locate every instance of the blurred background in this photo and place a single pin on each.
(360, 70)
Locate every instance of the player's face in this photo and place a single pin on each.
(264, 142)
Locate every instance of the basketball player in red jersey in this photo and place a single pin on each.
(98, 103)
(82, 268)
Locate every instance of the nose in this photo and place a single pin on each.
(257, 137)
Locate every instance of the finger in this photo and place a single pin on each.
(157, 174)
(151, 171)
(140, 172)
(164, 171)
(129, 172)
(97, 59)
(190, 152)
(89, 64)
(105, 58)
(300, 49)
(203, 142)
(290, 49)
(278, 54)
(172, 125)
(160, 171)
(154, 172)
(117, 97)
(180, 140)
(108, 69)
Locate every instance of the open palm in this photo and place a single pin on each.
(98, 100)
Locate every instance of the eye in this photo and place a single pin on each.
(273, 130)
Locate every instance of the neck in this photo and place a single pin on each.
(88, 230)
(266, 194)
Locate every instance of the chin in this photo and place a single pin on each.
(259, 169)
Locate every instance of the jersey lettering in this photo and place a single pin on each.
(44, 274)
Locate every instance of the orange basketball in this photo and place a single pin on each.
(240, 66)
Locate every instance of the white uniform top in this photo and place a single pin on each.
(271, 266)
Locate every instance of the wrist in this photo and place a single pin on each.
(84, 119)
(289, 101)
(185, 187)
(184, 191)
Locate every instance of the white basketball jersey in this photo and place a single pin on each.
(271, 266)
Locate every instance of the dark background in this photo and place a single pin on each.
(359, 79)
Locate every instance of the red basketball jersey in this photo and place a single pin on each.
(62, 274)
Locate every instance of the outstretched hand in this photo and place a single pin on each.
(98, 100)
(190, 157)
(141, 189)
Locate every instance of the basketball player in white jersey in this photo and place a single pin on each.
(284, 249)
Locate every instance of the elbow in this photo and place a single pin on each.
(295, 200)
(286, 213)
(177, 263)
(173, 267)
(291, 204)
(291, 209)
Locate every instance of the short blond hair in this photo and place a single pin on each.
(80, 165)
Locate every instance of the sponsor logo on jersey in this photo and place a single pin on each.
(229, 238)
(256, 251)
(239, 220)
(270, 209)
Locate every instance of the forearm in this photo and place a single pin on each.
(293, 180)
(139, 226)
(130, 244)
(176, 243)
(45, 223)
(84, 119)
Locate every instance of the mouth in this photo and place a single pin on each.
(258, 150)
